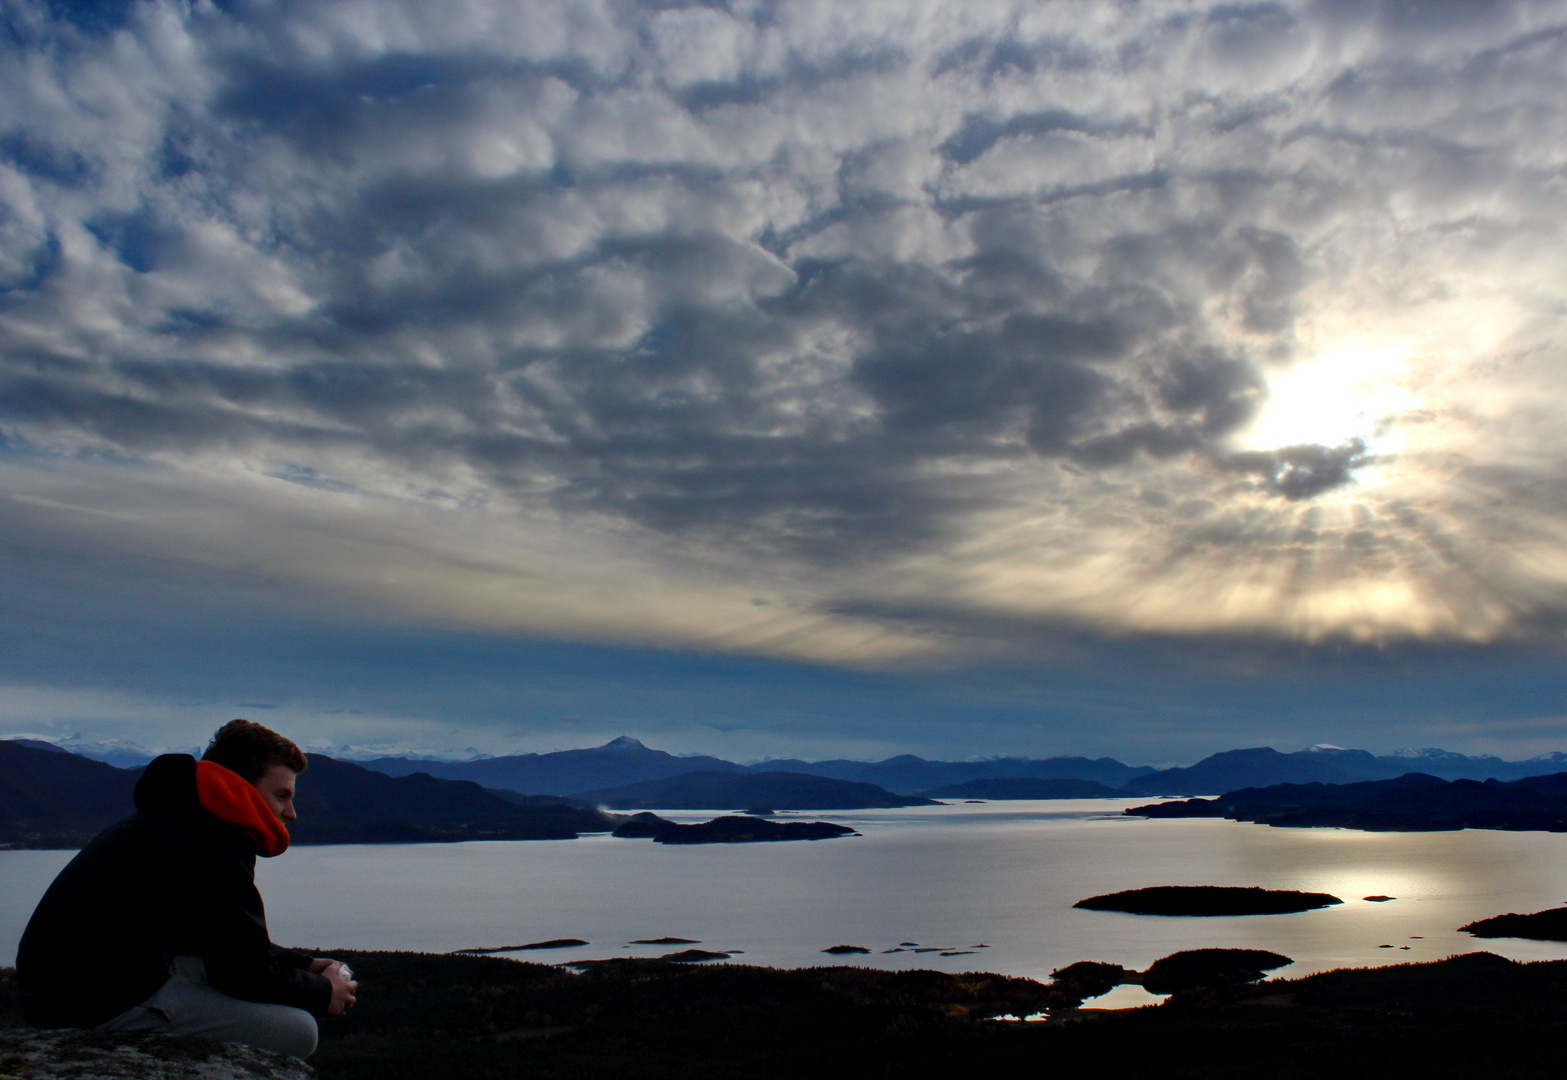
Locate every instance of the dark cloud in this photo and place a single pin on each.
(32, 153)
(804, 289)
(160, 652)
(980, 133)
(1301, 472)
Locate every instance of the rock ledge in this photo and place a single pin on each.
(124, 1055)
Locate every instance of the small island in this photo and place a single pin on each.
(727, 830)
(693, 956)
(707, 790)
(1205, 900)
(1023, 787)
(665, 941)
(1212, 969)
(532, 946)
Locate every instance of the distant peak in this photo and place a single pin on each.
(1337, 751)
(625, 742)
(37, 744)
(1429, 753)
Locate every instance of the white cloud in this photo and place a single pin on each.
(619, 316)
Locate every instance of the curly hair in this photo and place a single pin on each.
(251, 749)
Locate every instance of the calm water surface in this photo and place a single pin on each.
(1002, 874)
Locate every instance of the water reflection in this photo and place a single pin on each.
(947, 877)
(1124, 997)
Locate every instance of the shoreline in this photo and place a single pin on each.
(784, 903)
(425, 1014)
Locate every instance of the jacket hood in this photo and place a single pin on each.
(177, 785)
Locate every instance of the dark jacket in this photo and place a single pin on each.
(170, 880)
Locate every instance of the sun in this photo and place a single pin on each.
(1344, 394)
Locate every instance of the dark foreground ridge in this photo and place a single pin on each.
(1541, 926)
(102, 1055)
(727, 830)
(1208, 900)
(483, 1018)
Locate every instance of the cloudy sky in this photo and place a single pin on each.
(951, 376)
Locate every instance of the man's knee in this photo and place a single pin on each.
(279, 1028)
(295, 1034)
(185, 1008)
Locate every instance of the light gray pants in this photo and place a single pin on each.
(186, 1005)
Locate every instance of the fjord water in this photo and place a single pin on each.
(1002, 874)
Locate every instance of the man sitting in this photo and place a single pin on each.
(156, 925)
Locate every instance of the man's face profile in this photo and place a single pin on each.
(277, 788)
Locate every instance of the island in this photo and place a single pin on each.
(665, 941)
(532, 946)
(1204, 900)
(1541, 926)
(711, 789)
(1024, 787)
(1209, 969)
(1072, 985)
(1414, 802)
(1189, 970)
(693, 956)
(727, 830)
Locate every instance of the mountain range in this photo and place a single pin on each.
(1262, 767)
(54, 799)
(617, 763)
(625, 761)
(50, 798)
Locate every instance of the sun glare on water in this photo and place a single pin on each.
(1341, 395)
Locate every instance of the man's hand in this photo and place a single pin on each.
(319, 965)
(344, 988)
